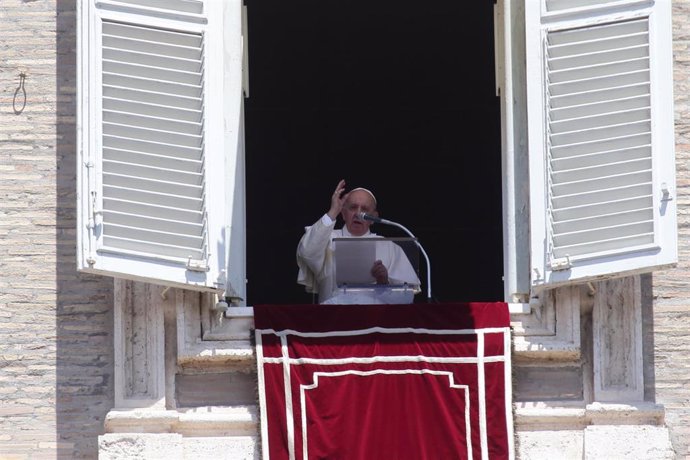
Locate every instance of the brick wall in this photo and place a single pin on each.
(55, 326)
(671, 288)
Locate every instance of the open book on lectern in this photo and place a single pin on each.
(354, 258)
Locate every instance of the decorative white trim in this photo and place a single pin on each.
(262, 397)
(451, 382)
(288, 398)
(481, 389)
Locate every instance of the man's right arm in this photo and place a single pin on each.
(315, 242)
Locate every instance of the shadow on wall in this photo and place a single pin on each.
(84, 319)
(647, 287)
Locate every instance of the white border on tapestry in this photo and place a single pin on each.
(316, 375)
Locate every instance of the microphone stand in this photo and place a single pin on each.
(426, 257)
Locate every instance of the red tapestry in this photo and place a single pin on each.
(428, 381)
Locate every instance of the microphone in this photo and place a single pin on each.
(371, 218)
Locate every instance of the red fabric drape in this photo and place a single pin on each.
(424, 381)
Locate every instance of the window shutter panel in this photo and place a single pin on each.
(600, 122)
(152, 141)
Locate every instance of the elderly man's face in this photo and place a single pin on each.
(358, 201)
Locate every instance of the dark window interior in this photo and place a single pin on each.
(393, 95)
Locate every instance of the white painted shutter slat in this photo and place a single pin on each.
(599, 96)
(147, 184)
(157, 237)
(571, 111)
(173, 101)
(163, 200)
(179, 163)
(131, 71)
(165, 224)
(144, 62)
(597, 233)
(607, 195)
(129, 106)
(155, 211)
(568, 135)
(599, 120)
(607, 166)
(124, 38)
(586, 160)
(584, 211)
(557, 5)
(148, 120)
(604, 246)
(151, 249)
(591, 185)
(171, 174)
(599, 139)
(602, 82)
(173, 89)
(593, 220)
(159, 134)
(158, 149)
(600, 146)
(186, 6)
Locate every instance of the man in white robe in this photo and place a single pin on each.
(315, 251)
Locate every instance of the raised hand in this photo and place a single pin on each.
(337, 200)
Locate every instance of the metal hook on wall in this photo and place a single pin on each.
(17, 111)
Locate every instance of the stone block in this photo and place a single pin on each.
(627, 441)
(548, 445)
(140, 446)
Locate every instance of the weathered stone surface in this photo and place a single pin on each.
(549, 445)
(644, 442)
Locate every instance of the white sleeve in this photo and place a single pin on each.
(401, 270)
(312, 250)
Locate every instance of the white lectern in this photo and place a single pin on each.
(354, 258)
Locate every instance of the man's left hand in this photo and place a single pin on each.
(379, 272)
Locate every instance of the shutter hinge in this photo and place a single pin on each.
(197, 265)
(666, 192)
(562, 263)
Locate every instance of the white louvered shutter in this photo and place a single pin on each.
(600, 122)
(159, 139)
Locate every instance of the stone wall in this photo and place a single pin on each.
(671, 289)
(56, 326)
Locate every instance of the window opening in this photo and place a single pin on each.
(388, 96)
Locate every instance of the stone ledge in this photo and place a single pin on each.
(217, 352)
(198, 421)
(538, 348)
(625, 414)
(116, 446)
(536, 417)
